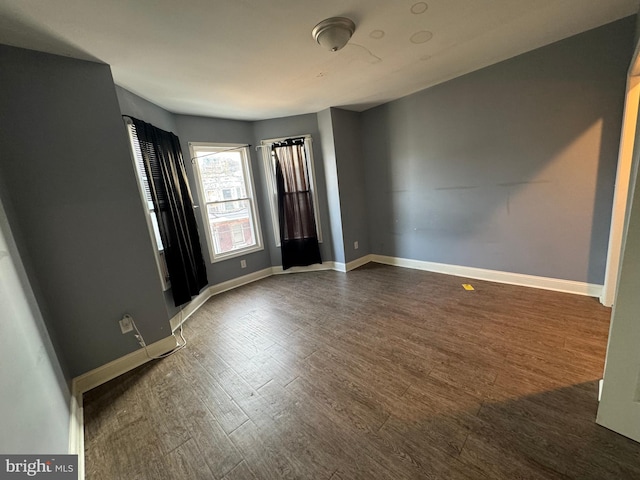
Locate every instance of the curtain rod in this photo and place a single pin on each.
(129, 120)
(193, 159)
(300, 139)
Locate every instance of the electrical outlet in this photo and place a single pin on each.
(243, 264)
(355, 245)
(126, 323)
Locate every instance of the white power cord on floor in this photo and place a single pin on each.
(179, 347)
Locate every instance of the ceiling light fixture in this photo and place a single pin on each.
(333, 33)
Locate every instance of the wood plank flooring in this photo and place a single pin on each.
(381, 373)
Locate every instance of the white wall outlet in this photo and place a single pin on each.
(126, 323)
(243, 264)
(355, 245)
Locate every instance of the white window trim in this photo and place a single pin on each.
(271, 182)
(251, 196)
(161, 264)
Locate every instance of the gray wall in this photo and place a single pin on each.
(214, 130)
(327, 145)
(35, 398)
(291, 127)
(70, 180)
(508, 168)
(351, 167)
(136, 106)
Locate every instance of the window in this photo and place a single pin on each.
(152, 219)
(225, 188)
(238, 233)
(270, 169)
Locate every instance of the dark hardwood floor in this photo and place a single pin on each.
(381, 373)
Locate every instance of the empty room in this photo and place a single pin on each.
(327, 240)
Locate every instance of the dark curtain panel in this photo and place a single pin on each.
(173, 203)
(298, 235)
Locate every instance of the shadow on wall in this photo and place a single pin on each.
(508, 168)
(603, 199)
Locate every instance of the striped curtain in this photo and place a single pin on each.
(298, 234)
(173, 204)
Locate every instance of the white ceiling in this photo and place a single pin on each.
(256, 59)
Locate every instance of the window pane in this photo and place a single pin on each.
(156, 230)
(222, 175)
(142, 174)
(231, 225)
(148, 202)
(226, 192)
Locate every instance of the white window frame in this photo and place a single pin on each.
(149, 210)
(251, 197)
(272, 188)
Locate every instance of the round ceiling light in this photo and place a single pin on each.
(333, 33)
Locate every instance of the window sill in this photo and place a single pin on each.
(236, 253)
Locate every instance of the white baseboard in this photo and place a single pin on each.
(189, 309)
(340, 267)
(201, 299)
(358, 262)
(545, 283)
(311, 268)
(240, 281)
(352, 265)
(606, 298)
(122, 365)
(336, 266)
(75, 423)
(76, 430)
(111, 370)
(117, 367)
(600, 385)
(96, 377)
